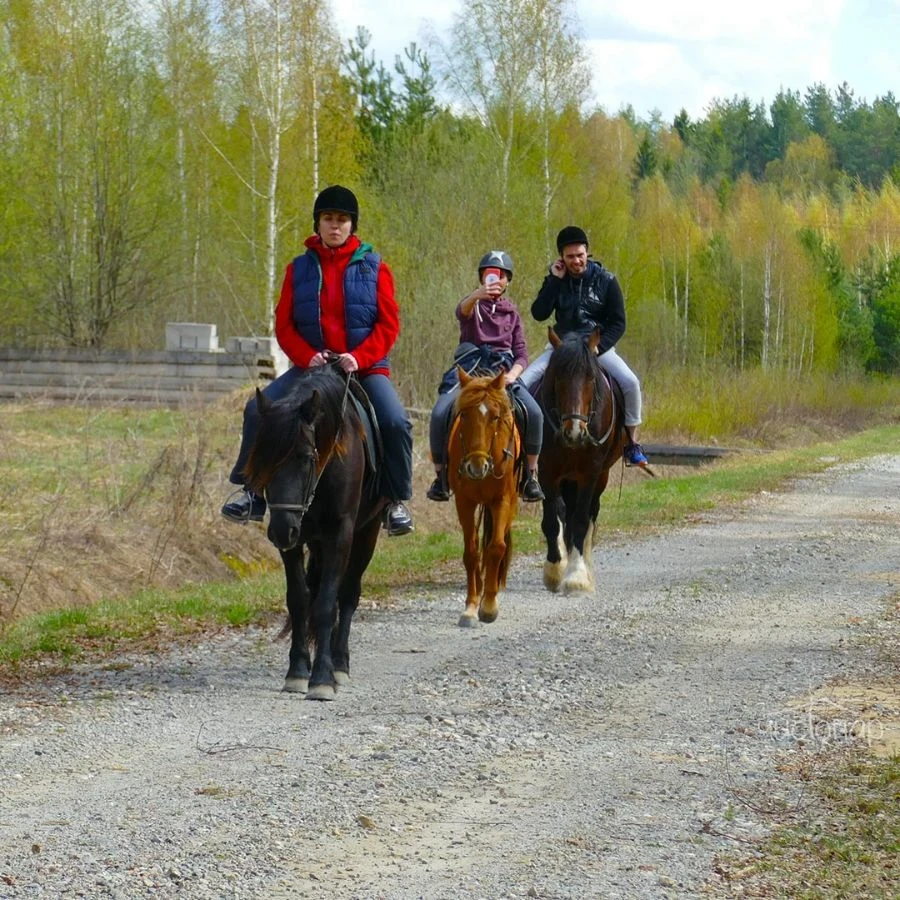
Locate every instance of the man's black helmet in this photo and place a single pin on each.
(337, 199)
(496, 259)
(571, 234)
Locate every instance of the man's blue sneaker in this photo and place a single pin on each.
(635, 456)
(249, 507)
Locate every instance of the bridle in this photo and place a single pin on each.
(315, 471)
(557, 420)
(506, 453)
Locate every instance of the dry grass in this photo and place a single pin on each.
(105, 502)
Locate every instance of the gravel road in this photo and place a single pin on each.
(579, 747)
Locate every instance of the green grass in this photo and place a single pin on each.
(149, 616)
(845, 843)
(762, 408)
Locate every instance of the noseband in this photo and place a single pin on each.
(312, 482)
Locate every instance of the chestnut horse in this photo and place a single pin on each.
(482, 455)
(584, 435)
(309, 459)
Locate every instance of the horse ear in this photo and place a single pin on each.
(499, 381)
(594, 339)
(552, 336)
(311, 408)
(262, 402)
(464, 378)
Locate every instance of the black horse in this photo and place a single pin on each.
(310, 460)
(584, 432)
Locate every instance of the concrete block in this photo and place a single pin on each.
(263, 347)
(191, 336)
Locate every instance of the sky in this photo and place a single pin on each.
(661, 56)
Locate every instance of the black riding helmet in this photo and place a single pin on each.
(337, 199)
(496, 259)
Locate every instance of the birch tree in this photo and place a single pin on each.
(280, 51)
(510, 57)
(91, 181)
(185, 50)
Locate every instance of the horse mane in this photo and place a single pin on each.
(571, 359)
(313, 408)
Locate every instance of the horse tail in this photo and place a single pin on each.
(286, 629)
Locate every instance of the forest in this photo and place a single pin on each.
(158, 163)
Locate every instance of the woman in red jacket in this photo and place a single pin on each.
(337, 305)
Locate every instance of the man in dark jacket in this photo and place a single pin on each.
(582, 295)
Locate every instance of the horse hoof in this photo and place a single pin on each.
(553, 576)
(295, 685)
(466, 621)
(342, 679)
(322, 692)
(570, 588)
(488, 617)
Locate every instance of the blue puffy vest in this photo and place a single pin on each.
(360, 298)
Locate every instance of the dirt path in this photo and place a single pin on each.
(579, 747)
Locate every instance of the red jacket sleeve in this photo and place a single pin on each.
(387, 323)
(298, 350)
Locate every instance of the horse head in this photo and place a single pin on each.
(296, 438)
(570, 389)
(486, 425)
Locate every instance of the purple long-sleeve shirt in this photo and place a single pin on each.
(496, 323)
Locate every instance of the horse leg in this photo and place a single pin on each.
(323, 617)
(550, 526)
(297, 679)
(497, 545)
(579, 578)
(466, 513)
(592, 525)
(360, 556)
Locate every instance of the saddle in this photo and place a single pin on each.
(373, 443)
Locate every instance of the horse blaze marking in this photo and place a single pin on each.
(482, 408)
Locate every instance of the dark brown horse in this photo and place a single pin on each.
(310, 461)
(583, 437)
(482, 455)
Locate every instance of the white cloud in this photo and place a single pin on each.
(662, 55)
